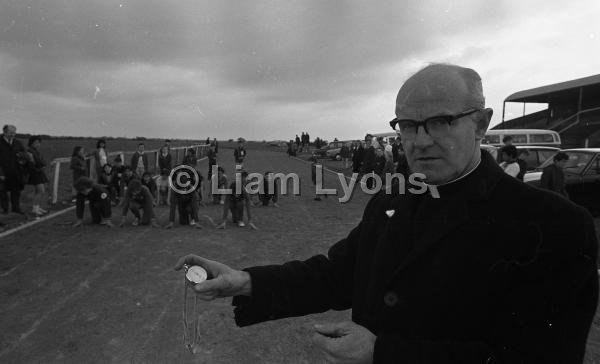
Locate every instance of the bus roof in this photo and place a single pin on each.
(520, 131)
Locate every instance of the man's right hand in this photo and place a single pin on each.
(223, 281)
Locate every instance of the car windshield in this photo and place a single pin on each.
(576, 163)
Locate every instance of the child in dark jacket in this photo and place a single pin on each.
(108, 179)
(149, 182)
(99, 202)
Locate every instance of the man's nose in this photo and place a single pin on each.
(422, 138)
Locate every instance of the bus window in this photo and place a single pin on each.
(519, 138)
(492, 139)
(541, 138)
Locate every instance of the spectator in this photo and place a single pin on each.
(522, 164)
(13, 169)
(315, 165)
(99, 202)
(100, 158)
(139, 161)
(37, 175)
(216, 144)
(388, 166)
(433, 278)
(221, 184)
(190, 158)
(553, 177)
(212, 160)
(369, 162)
(237, 202)
(509, 160)
(78, 167)
(297, 142)
(358, 155)
(507, 140)
(240, 153)
(139, 197)
(345, 154)
(164, 160)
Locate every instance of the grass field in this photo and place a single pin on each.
(99, 295)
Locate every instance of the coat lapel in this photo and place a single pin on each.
(436, 218)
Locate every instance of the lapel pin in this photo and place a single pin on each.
(390, 213)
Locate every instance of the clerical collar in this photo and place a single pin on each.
(457, 179)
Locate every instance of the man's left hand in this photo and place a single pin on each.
(345, 342)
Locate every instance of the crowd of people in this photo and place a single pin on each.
(135, 189)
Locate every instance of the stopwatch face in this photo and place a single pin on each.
(196, 274)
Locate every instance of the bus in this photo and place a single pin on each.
(540, 137)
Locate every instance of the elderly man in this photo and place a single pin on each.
(13, 169)
(463, 278)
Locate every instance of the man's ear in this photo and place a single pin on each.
(483, 123)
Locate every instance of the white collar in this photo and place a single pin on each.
(458, 178)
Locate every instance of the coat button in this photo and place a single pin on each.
(390, 299)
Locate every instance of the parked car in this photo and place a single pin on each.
(322, 152)
(582, 177)
(535, 156)
(334, 153)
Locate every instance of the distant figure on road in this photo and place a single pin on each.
(99, 202)
(432, 277)
(13, 169)
(212, 160)
(240, 153)
(553, 177)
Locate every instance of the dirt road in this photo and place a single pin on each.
(100, 295)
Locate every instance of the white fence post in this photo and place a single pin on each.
(55, 186)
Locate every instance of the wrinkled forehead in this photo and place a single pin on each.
(434, 92)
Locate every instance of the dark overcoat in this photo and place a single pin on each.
(494, 271)
(13, 164)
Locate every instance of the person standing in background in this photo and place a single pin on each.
(13, 169)
(522, 163)
(139, 161)
(100, 158)
(78, 167)
(165, 160)
(553, 177)
(216, 143)
(37, 175)
(212, 160)
(509, 160)
(240, 153)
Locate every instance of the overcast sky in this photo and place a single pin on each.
(269, 69)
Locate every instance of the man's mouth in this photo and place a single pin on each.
(426, 159)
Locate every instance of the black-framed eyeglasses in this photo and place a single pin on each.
(435, 126)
